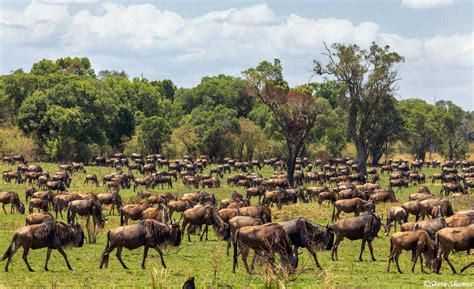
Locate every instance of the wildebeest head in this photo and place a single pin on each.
(77, 235)
(21, 208)
(175, 234)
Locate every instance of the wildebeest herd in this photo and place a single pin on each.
(244, 222)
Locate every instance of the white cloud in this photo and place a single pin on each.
(426, 4)
(151, 39)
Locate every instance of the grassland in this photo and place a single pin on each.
(207, 261)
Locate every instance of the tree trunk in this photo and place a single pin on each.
(421, 155)
(361, 156)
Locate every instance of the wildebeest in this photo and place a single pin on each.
(87, 208)
(460, 220)
(383, 196)
(365, 227)
(148, 233)
(418, 241)
(179, 206)
(238, 222)
(396, 215)
(56, 186)
(112, 199)
(13, 199)
(52, 235)
(431, 226)
(38, 218)
(355, 205)
(413, 208)
(205, 215)
(40, 204)
(457, 238)
(132, 211)
(61, 201)
(304, 234)
(265, 240)
(262, 212)
(91, 178)
(426, 207)
(160, 214)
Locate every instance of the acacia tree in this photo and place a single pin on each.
(369, 77)
(295, 110)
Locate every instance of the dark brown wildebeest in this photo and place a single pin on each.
(212, 182)
(78, 167)
(91, 178)
(133, 212)
(355, 205)
(61, 201)
(56, 186)
(8, 176)
(38, 218)
(205, 215)
(365, 227)
(51, 235)
(148, 233)
(413, 208)
(457, 238)
(13, 199)
(112, 199)
(426, 207)
(28, 192)
(447, 188)
(265, 240)
(431, 226)
(304, 234)
(41, 204)
(87, 208)
(418, 241)
(383, 196)
(398, 183)
(396, 215)
(238, 222)
(262, 212)
(235, 198)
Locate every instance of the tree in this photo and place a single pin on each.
(153, 133)
(250, 140)
(369, 77)
(295, 110)
(454, 129)
(166, 88)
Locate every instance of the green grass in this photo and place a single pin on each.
(207, 261)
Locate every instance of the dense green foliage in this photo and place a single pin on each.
(72, 113)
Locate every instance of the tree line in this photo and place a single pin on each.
(71, 112)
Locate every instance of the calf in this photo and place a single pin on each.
(396, 215)
(418, 241)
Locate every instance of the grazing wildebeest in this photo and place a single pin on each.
(38, 218)
(355, 205)
(56, 186)
(29, 192)
(112, 199)
(91, 178)
(365, 227)
(52, 235)
(383, 196)
(148, 233)
(13, 199)
(262, 212)
(133, 211)
(87, 208)
(426, 207)
(61, 201)
(40, 204)
(304, 234)
(418, 241)
(457, 238)
(238, 222)
(396, 215)
(265, 240)
(431, 226)
(205, 215)
(446, 188)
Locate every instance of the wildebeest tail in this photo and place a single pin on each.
(69, 214)
(9, 251)
(104, 259)
(333, 211)
(121, 217)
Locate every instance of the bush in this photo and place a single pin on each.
(14, 142)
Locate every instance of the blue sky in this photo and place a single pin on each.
(186, 40)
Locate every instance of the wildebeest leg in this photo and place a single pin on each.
(371, 250)
(48, 255)
(157, 248)
(362, 247)
(202, 233)
(3, 207)
(245, 254)
(390, 259)
(445, 257)
(421, 263)
(25, 258)
(145, 254)
(414, 262)
(397, 255)
(119, 257)
(61, 251)
(334, 249)
(467, 266)
(311, 251)
(14, 249)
